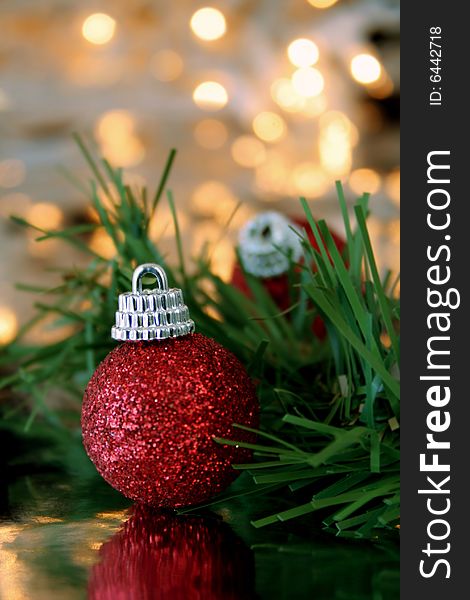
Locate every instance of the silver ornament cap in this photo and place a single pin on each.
(151, 314)
(266, 242)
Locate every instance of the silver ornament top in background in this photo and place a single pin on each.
(151, 314)
(266, 242)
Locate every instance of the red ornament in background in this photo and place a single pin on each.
(153, 406)
(258, 241)
(161, 555)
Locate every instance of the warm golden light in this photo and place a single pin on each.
(42, 250)
(283, 93)
(45, 216)
(272, 175)
(211, 198)
(303, 52)
(322, 3)
(248, 151)
(98, 28)
(392, 186)
(310, 180)
(336, 160)
(210, 134)
(102, 244)
(308, 82)
(12, 172)
(269, 126)
(125, 154)
(208, 24)
(115, 131)
(314, 107)
(393, 231)
(162, 225)
(337, 126)
(222, 259)
(46, 520)
(364, 180)
(337, 137)
(166, 65)
(48, 330)
(210, 95)
(13, 571)
(365, 68)
(114, 123)
(8, 325)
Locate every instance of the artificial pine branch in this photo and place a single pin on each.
(330, 409)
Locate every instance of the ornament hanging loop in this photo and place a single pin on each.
(149, 269)
(150, 314)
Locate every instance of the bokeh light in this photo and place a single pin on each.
(283, 93)
(308, 82)
(313, 107)
(48, 331)
(272, 175)
(102, 244)
(12, 173)
(45, 215)
(115, 123)
(322, 3)
(222, 259)
(210, 95)
(364, 180)
(303, 52)
(166, 65)
(99, 28)
(119, 142)
(269, 126)
(310, 180)
(8, 325)
(248, 151)
(392, 186)
(210, 134)
(211, 197)
(208, 24)
(42, 249)
(337, 137)
(365, 68)
(162, 225)
(125, 152)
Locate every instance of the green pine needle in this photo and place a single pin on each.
(325, 444)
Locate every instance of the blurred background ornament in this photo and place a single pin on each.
(268, 243)
(265, 244)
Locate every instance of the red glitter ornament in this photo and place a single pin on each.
(152, 408)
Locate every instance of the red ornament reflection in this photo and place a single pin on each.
(158, 555)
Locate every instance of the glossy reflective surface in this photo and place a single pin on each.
(73, 538)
